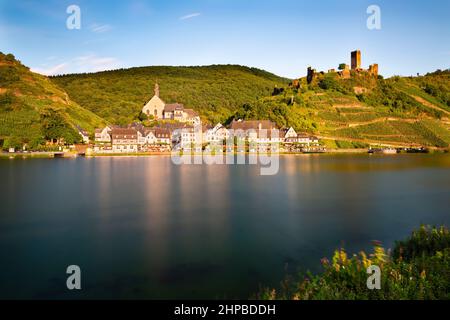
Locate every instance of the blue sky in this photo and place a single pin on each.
(281, 36)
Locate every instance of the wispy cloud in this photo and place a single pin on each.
(100, 28)
(50, 71)
(93, 63)
(190, 16)
(81, 64)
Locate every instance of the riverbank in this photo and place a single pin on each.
(51, 155)
(17, 155)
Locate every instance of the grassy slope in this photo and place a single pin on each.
(214, 91)
(396, 111)
(25, 95)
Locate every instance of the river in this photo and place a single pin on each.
(142, 227)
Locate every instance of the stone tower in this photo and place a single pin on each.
(157, 90)
(310, 75)
(356, 60)
(373, 69)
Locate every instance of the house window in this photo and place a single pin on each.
(156, 112)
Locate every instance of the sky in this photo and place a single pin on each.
(280, 36)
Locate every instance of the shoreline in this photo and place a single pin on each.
(68, 155)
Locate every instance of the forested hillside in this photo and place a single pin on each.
(345, 113)
(33, 110)
(214, 91)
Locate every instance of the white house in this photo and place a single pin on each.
(307, 140)
(163, 136)
(146, 137)
(103, 135)
(124, 140)
(258, 131)
(187, 137)
(290, 133)
(215, 134)
(84, 134)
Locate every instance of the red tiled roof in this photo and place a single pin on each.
(124, 133)
(172, 107)
(191, 113)
(162, 133)
(253, 124)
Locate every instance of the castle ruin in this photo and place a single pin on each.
(346, 71)
(356, 60)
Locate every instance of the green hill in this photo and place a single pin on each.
(214, 91)
(345, 113)
(33, 110)
(364, 110)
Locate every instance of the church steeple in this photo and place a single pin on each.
(157, 89)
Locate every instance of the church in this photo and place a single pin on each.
(158, 109)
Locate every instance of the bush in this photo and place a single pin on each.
(419, 268)
(10, 57)
(329, 82)
(12, 142)
(423, 242)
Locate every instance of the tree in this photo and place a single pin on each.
(12, 142)
(36, 143)
(54, 127)
(142, 116)
(10, 57)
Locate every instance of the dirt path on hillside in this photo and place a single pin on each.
(429, 104)
(394, 144)
(386, 119)
(351, 106)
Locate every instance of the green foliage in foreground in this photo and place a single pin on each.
(418, 268)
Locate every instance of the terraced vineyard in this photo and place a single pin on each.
(392, 112)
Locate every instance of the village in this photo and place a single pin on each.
(178, 128)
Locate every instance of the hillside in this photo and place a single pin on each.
(364, 110)
(345, 113)
(214, 91)
(33, 110)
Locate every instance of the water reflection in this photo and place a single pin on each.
(141, 227)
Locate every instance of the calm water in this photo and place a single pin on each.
(144, 228)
